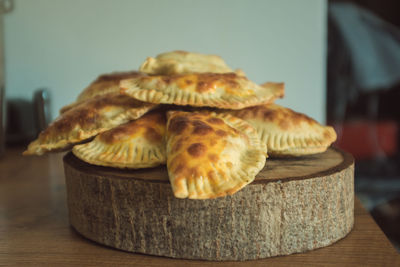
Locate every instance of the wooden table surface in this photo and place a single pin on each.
(34, 228)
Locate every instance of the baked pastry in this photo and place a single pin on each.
(211, 155)
(87, 119)
(104, 84)
(286, 132)
(136, 144)
(223, 90)
(182, 62)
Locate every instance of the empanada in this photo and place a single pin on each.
(211, 155)
(136, 144)
(224, 90)
(182, 62)
(286, 132)
(87, 119)
(104, 84)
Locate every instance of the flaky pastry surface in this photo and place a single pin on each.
(136, 144)
(211, 155)
(182, 62)
(286, 132)
(104, 84)
(87, 119)
(224, 90)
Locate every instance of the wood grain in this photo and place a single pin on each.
(309, 206)
(35, 231)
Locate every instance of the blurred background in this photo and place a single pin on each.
(340, 61)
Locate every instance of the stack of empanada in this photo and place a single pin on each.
(211, 126)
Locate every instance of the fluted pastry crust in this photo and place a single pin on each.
(104, 84)
(226, 90)
(286, 132)
(86, 120)
(136, 144)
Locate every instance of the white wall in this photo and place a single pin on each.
(64, 44)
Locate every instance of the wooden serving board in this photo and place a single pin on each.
(294, 205)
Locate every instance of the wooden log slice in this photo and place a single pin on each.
(294, 205)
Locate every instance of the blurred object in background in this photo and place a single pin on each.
(5, 7)
(363, 93)
(20, 122)
(41, 106)
(368, 139)
(372, 44)
(26, 119)
(364, 60)
(2, 120)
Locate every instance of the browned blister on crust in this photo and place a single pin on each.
(211, 155)
(136, 144)
(223, 90)
(87, 119)
(104, 84)
(286, 132)
(182, 62)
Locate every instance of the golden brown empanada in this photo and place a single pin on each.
(286, 132)
(182, 62)
(104, 84)
(211, 155)
(136, 144)
(224, 90)
(87, 119)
